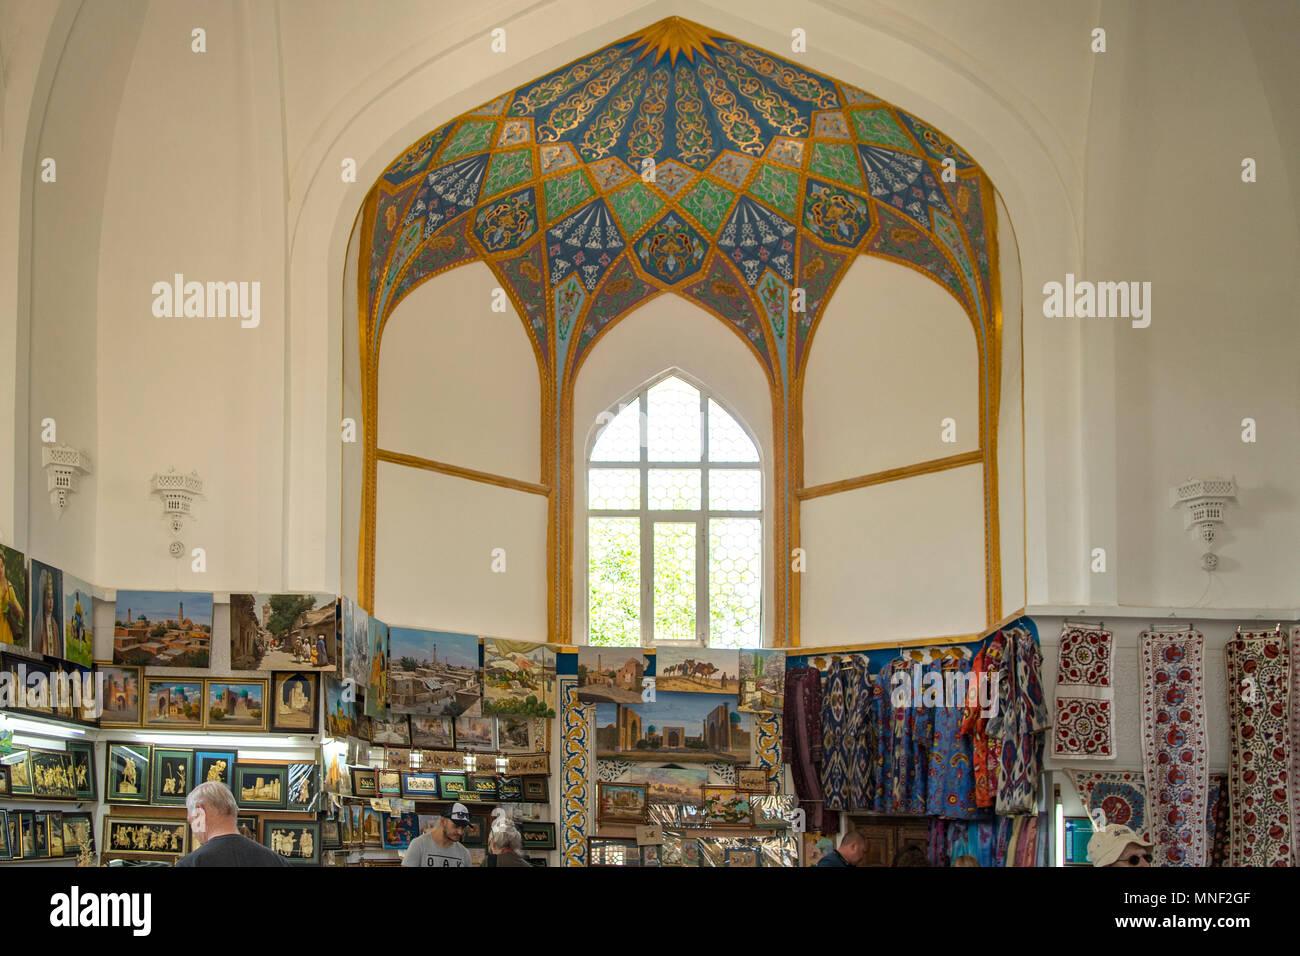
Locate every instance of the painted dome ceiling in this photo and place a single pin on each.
(678, 159)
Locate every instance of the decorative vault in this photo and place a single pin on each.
(678, 160)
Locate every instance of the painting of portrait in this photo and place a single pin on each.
(46, 633)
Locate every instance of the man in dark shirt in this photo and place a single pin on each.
(852, 849)
(213, 815)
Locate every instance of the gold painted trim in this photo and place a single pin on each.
(892, 474)
(456, 471)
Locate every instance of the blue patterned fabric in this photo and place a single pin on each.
(950, 790)
(841, 719)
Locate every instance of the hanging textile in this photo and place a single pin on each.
(1027, 847)
(987, 668)
(1016, 731)
(1216, 820)
(1001, 840)
(1120, 794)
(1293, 772)
(1175, 744)
(1085, 695)
(902, 746)
(950, 780)
(882, 723)
(845, 681)
(801, 745)
(1259, 677)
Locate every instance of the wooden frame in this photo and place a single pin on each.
(452, 786)
(744, 856)
(273, 798)
(537, 789)
(254, 722)
(116, 776)
(19, 766)
(598, 847)
(137, 673)
(72, 833)
(251, 823)
(6, 781)
(146, 838)
(511, 790)
(484, 787)
(83, 765)
(476, 832)
(365, 781)
(54, 833)
(369, 815)
(287, 721)
(389, 783)
(5, 853)
(178, 763)
(53, 777)
(536, 835)
(331, 834)
(611, 809)
(274, 831)
(177, 714)
(420, 785)
(206, 762)
(753, 779)
(722, 807)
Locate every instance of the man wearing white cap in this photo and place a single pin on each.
(441, 845)
(1118, 845)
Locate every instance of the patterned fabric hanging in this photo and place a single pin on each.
(1259, 689)
(987, 668)
(801, 744)
(1017, 729)
(950, 783)
(1175, 744)
(844, 681)
(1120, 794)
(1085, 695)
(882, 722)
(1216, 820)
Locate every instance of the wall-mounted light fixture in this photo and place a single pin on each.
(178, 493)
(1204, 501)
(63, 464)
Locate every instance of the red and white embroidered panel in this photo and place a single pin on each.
(1085, 694)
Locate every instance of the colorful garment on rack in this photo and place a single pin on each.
(1001, 840)
(902, 744)
(1017, 729)
(984, 759)
(845, 680)
(1120, 794)
(801, 744)
(1085, 694)
(1293, 769)
(950, 778)
(1175, 744)
(1259, 689)
(1216, 820)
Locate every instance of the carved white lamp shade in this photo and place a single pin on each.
(1204, 501)
(178, 493)
(62, 464)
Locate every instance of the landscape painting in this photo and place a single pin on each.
(683, 728)
(356, 643)
(762, 681)
(432, 733)
(78, 621)
(283, 632)
(162, 629)
(45, 635)
(670, 784)
(697, 670)
(173, 703)
(610, 674)
(434, 673)
(518, 678)
(236, 705)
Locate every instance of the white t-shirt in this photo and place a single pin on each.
(423, 851)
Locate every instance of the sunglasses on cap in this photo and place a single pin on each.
(1137, 858)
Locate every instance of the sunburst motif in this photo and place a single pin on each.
(673, 37)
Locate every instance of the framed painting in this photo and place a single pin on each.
(726, 807)
(451, 786)
(82, 753)
(123, 702)
(304, 786)
(4, 835)
(295, 702)
(603, 851)
(432, 733)
(397, 758)
(40, 835)
(340, 710)
(399, 830)
(355, 827)
(476, 733)
(753, 779)
(30, 680)
(691, 815)
(126, 774)
(261, 786)
(26, 834)
(173, 775)
(270, 632)
(420, 786)
(248, 826)
(11, 834)
(54, 832)
(235, 705)
(530, 763)
(331, 834)
(173, 703)
(45, 635)
(19, 766)
(162, 629)
(389, 783)
(365, 781)
(484, 786)
(370, 827)
(537, 789)
(537, 836)
(521, 735)
(650, 856)
(214, 766)
(78, 832)
(511, 790)
(78, 621)
(518, 678)
(746, 856)
(6, 782)
(390, 733)
(772, 811)
(475, 834)
(148, 838)
(621, 802)
(298, 841)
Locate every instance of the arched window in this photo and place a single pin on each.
(674, 522)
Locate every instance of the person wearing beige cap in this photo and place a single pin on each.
(1118, 845)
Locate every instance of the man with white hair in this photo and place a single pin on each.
(505, 843)
(213, 814)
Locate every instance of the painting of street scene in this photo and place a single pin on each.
(610, 674)
(762, 681)
(697, 670)
(272, 632)
(434, 673)
(684, 728)
(162, 628)
(518, 678)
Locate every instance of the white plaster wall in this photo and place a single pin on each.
(458, 383)
(433, 555)
(1011, 457)
(895, 561)
(893, 356)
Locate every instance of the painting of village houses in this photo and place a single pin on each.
(762, 681)
(684, 728)
(432, 673)
(610, 674)
(697, 670)
(270, 632)
(236, 705)
(518, 678)
(162, 628)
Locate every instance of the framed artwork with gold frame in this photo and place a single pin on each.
(622, 802)
(753, 779)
